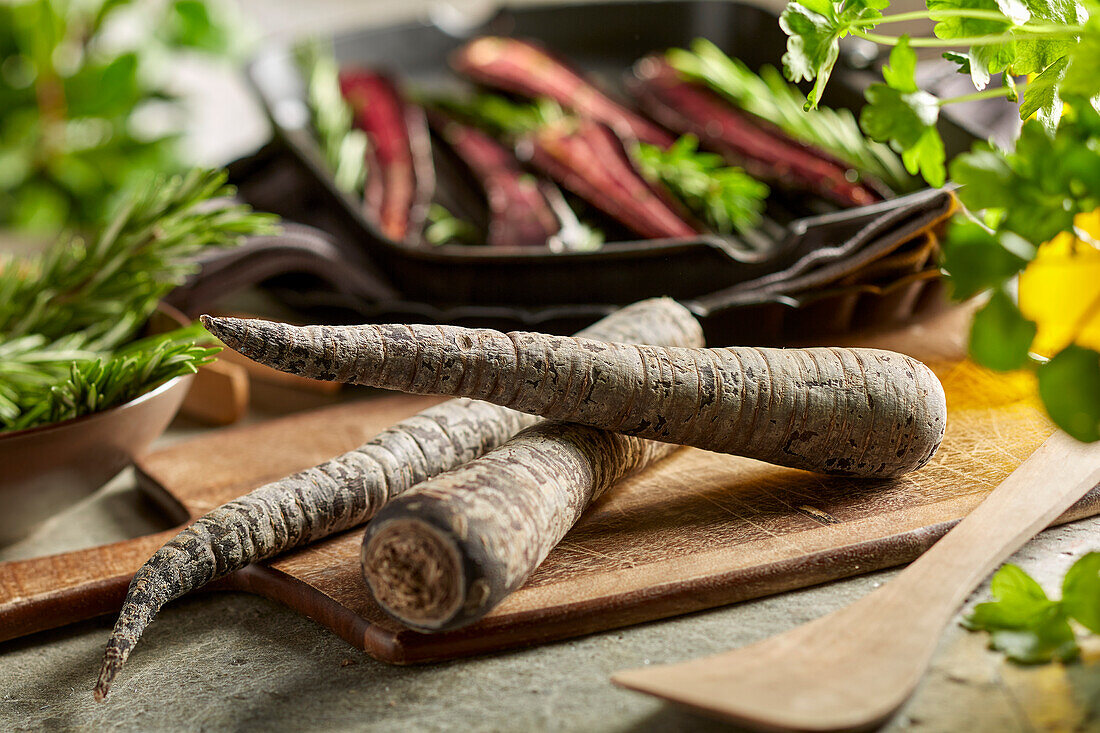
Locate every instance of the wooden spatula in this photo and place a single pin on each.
(853, 669)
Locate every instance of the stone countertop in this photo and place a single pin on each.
(217, 661)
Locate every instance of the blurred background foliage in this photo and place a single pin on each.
(86, 102)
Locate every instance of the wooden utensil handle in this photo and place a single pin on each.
(47, 592)
(1058, 474)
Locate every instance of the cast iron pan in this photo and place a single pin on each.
(808, 263)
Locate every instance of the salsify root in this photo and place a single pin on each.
(348, 490)
(855, 412)
(447, 552)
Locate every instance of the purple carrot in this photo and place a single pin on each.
(400, 177)
(587, 158)
(761, 149)
(519, 214)
(524, 68)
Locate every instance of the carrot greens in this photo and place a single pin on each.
(344, 147)
(726, 197)
(768, 96)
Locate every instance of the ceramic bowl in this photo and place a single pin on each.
(46, 469)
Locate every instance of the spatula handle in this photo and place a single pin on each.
(47, 592)
(1058, 474)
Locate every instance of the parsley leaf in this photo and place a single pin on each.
(900, 113)
(1041, 97)
(1040, 186)
(1034, 55)
(1000, 336)
(815, 28)
(1069, 385)
(1081, 592)
(982, 60)
(978, 259)
(1083, 75)
(1024, 624)
(1023, 55)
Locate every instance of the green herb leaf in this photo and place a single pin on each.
(1024, 623)
(501, 114)
(814, 29)
(192, 24)
(977, 259)
(900, 113)
(981, 60)
(1000, 336)
(1041, 96)
(1020, 602)
(344, 147)
(1042, 185)
(1050, 639)
(726, 197)
(1081, 592)
(445, 228)
(1083, 75)
(1069, 385)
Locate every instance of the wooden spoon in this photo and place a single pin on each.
(852, 669)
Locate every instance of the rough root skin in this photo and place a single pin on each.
(854, 412)
(348, 490)
(501, 514)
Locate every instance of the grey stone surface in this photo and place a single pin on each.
(228, 661)
(238, 662)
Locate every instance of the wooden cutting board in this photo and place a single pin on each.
(696, 531)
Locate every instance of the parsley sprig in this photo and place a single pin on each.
(1031, 628)
(1057, 41)
(1017, 200)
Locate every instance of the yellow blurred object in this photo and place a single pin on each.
(1060, 290)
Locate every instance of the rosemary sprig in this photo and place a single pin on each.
(91, 385)
(726, 197)
(770, 97)
(68, 316)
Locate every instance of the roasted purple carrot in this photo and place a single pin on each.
(522, 67)
(762, 149)
(587, 158)
(519, 214)
(400, 178)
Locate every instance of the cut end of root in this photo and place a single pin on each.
(414, 572)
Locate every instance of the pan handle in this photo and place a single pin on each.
(47, 592)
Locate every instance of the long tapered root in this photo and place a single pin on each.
(446, 553)
(349, 489)
(858, 412)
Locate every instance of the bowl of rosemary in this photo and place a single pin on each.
(89, 375)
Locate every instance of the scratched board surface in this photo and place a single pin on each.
(697, 530)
